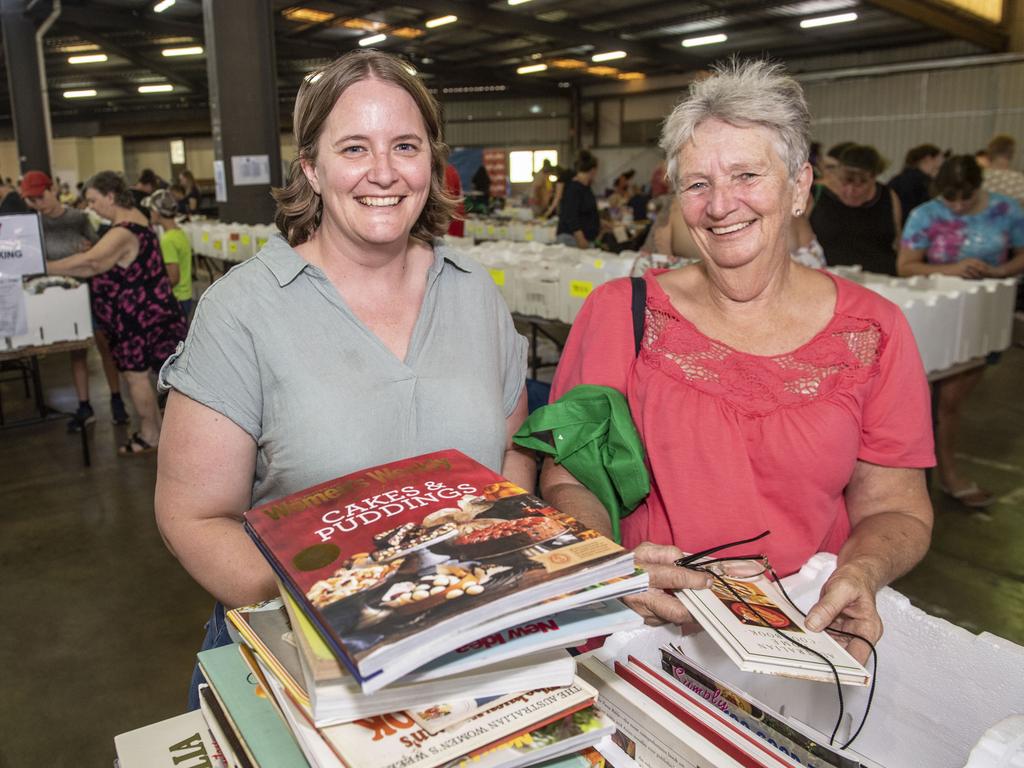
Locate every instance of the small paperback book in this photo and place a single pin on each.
(401, 563)
(180, 742)
(751, 621)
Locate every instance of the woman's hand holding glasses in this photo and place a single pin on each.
(658, 605)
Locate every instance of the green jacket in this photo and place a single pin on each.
(590, 432)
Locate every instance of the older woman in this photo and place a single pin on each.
(858, 223)
(768, 395)
(972, 233)
(131, 296)
(352, 339)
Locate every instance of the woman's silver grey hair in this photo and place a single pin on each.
(743, 93)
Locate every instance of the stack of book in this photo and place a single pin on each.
(426, 607)
(682, 716)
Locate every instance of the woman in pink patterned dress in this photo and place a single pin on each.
(132, 299)
(768, 395)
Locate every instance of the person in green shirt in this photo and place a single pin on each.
(174, 246)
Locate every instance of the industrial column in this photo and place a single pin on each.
(23, 38)
(242, 72)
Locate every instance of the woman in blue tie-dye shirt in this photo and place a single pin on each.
(972, 233)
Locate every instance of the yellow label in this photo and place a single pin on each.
(580, 288)
(490, 230)
(574, 554)
(598, 263)
(233, 247)
(206, 237)
(498, 276)
(216, 245)
(528, 235)
(260, 242)
(245, 239)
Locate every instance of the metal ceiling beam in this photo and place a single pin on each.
(948, 21)
(138, 59)
(502, 20)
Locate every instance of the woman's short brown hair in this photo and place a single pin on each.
(958, 178)
(111, 183)
(863, 157)
(299, 207)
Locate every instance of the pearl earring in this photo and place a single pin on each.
(798, 212)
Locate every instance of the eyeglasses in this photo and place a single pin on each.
(726, 570)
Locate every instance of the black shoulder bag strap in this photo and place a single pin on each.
(639, 306)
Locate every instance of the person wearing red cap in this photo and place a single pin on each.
(67, 231)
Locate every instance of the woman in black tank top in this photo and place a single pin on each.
(860, 224)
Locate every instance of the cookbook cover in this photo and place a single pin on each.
(762, 632)
(402, 557)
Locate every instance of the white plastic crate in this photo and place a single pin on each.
(56, 314)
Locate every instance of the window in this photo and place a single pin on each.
(524, 163)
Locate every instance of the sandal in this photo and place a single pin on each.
(135, 445)
(971, 496)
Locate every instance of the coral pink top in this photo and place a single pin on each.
(738, 443)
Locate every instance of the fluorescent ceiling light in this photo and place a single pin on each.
(89, 58)
(690, 42)
(531, 68)
(609, 56)
(83, 94)
(517, 2)
(159, 88)
(78, 48)
(191, 50)
(372, 39)
(824, 21)
(441, 21)
(162, 6)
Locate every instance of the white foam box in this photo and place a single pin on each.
(537, 291)
(56, 314)
(939, 687)
(581, 277)
(998, 297)
(934, 318)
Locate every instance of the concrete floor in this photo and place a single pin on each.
(101, 625)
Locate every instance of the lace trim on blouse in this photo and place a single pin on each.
(844, 354)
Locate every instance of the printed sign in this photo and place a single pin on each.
(250, 170)
(21, 245)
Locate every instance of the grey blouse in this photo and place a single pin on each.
(274, 348)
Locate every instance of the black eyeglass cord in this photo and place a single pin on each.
(874, 664)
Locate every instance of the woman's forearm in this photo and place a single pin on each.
(79, 265)
(1012, 267)
(885, 546)
(222, 558)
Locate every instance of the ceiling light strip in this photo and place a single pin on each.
(692, 42)
(441, 21)
(372, 40)
(824, 21)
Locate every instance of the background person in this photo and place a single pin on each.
(578, 222)
(913, 185)
(353, 338)
(174, 247)
(860, 223)
(189, 203)
(133, 304)
(972, 233)
(767, 395)
(68, 231)
(998, 174)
